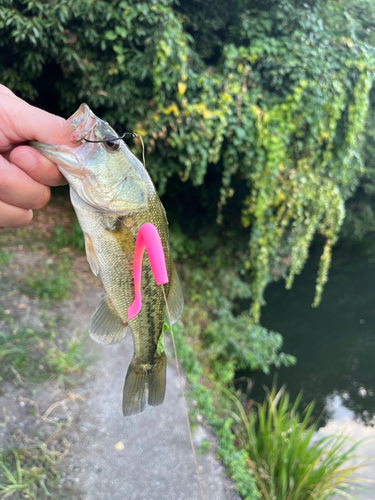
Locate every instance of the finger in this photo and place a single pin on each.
(37, 166)
(20, 190)
(6, 91)
(22, 122)
(11, 216)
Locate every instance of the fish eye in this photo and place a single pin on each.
(111, 145)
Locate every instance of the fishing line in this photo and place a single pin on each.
(183, 398)
(143, 150)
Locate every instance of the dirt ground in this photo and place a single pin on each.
(102, 455)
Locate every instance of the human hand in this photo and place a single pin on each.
(25, 174)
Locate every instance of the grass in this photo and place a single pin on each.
(28, 355)
(32, 354)
(69, 362)
(20, 475)
(21, 354)
(50, 282)
(286, 460)
(5, 257)
(28, 467)
(31, 239)
(61, 238)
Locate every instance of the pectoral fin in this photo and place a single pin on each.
(123, 235)
(91, 255)
(106, 325)
(175, 298)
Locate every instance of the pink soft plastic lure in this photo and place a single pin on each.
(147, 238)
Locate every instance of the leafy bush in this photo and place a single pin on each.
(262, 102)
(237, 344)
(359, 224)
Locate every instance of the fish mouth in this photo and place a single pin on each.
(85, 125)
(82, 123)
(63, 156)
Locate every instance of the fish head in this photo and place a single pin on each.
(105, 175)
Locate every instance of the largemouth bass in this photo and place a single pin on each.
(113, 196)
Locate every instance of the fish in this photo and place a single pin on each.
(113, 196)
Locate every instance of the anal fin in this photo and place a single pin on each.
(106, 325)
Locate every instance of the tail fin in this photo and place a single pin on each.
(144, 386)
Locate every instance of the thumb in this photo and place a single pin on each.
(22, 122)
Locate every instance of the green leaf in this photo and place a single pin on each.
(110, 35)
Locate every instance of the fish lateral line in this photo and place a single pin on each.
(147, 239)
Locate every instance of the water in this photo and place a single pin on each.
(334, 346)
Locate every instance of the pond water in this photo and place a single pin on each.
(334, 346)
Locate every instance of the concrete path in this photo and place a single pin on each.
(143, 457)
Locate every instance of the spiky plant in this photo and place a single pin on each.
(287, 460)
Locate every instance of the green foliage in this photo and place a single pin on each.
(67, 362)
(237, 344)
(287, 461)
(5, 257)
(20, 476)
(273, 445)
(21, 354)
(216, 291)
(29, 355)
(234, 459)
(28, 470)
(205, 447)
(360, 220)
(60, 238)
(270, 99)
(51, 282)
(76, 238)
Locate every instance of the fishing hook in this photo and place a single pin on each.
(110, 139)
